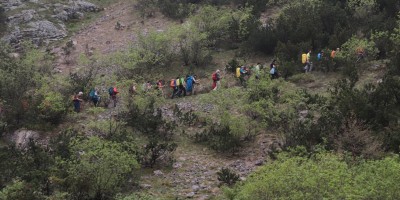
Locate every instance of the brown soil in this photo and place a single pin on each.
(102, 37)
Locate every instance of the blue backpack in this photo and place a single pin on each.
(319, 56)
(92, 94)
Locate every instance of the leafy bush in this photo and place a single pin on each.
(98, 168)
(19, 190)
(219, 138)
(348, 51)
(152, 50)
(146, 8)
(148, 119)
(262, 39)
(176, 9)
(323, 176)
(232, 65)
(191, 44)
(156, 150)
(14, 87)
(53, 107)
(302, 78)
(226, 135)
(227, 176)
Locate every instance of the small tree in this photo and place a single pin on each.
(98, 168)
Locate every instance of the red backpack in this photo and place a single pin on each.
(214, 76)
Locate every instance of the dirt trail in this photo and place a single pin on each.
(194, 174)
(101, 36)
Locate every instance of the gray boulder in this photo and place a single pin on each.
(22, 137)
(24, 17)
(43, 30)
(11, 4)
(75, 10)
(86, 6)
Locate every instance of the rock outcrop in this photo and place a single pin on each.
(22, 137)
(35, 24)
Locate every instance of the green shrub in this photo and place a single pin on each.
(302, 78)
(323, 176)
(219, 138)
(348, 51)
(226, 135)
(53, 107)
(98, 168)
(176, 9)
(232, 65)
(19, 190)
(227, 176)
(192, 45)
(154, 151)
(146, 8)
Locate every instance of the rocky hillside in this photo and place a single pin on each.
(40, 20)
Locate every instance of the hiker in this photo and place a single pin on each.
(309, 65)
(320, 55)
(320, 58)
(132, 89)
(160, 87)
(94, 96)
(77, 102)
(360, 53)
(216, 77)
(182, 86)
(190, 81)
(256, 70)
(273, 72)
(146, 86)
(112, 91)
(243, 72)
(333, 53)
(174, 86)
(273, 64)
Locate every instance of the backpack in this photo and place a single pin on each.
(333, 54)
(303, 58)
(214, 76)
(181, 81)
(177, 82)
(238, 72)
(272, 71)
(115, 91)
(172, 83)
(319, 56)
(111, 91)
(92, 94)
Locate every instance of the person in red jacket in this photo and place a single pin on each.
(216, 77)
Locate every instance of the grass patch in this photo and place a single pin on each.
(302, 78)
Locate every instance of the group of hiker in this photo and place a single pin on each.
(183, 86)
(94, 97)
(306, 59)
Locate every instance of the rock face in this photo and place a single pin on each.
(24, 17)
(22, 137)
(38, 31)
(11, 4)
(75, 10)
(34, 23)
